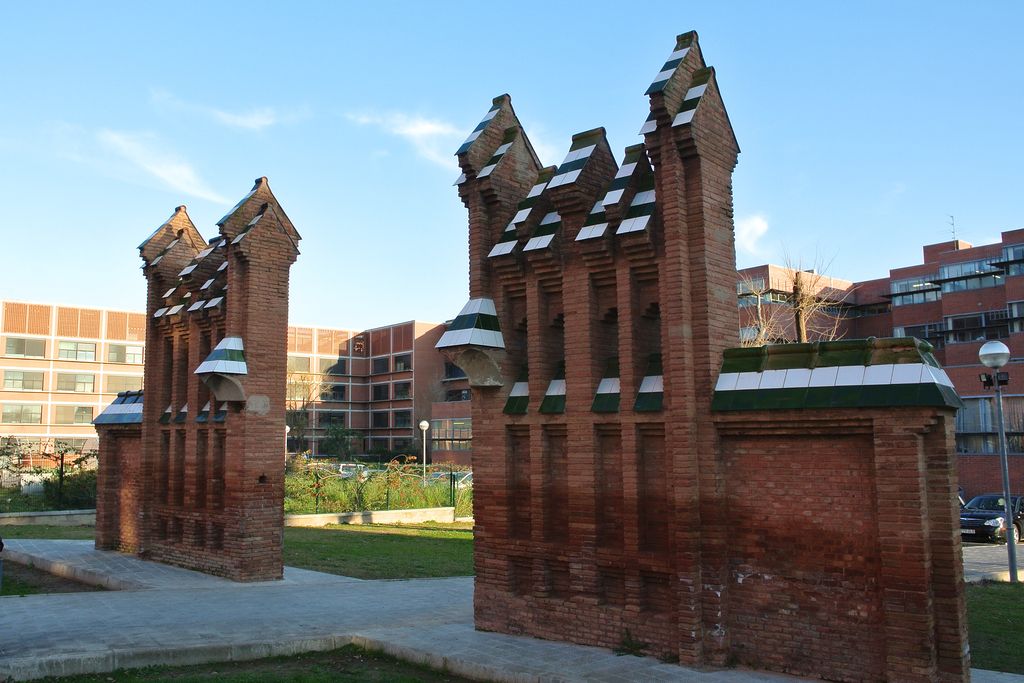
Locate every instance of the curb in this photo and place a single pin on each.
(70, 571)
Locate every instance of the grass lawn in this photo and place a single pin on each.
(348, 665)
(382, 552)
(22, 580)
(995, 617)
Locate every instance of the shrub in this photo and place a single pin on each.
(79, 491)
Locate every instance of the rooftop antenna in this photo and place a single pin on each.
(952, 226)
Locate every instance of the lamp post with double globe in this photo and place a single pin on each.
(995, 355)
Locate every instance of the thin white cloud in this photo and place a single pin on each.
(749, 231)
(434, 140)
(145, 152)
(254, 119)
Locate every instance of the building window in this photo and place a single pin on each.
(403, 362)
(379, 366)
(379, 420)
(118, 383)
(23, 381)
(298, 364)
(124, 353)
(402, 390)
(933, 333)
(332, 392)
(71, 350)
(380, 445)
(977, 327)
(403, 419)
(327, 419)
(380, 392)
(976, 425)
(453, 395)
(1014, 257)
(404, 445)
(453, 371)
(958, 277)
(915, 290)
(452, 434)
(755, 284)
(333, 366)
(73, 415)
(79, 383)
(25, 348)
(16, 413)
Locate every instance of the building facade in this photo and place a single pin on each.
(62, 365)
(957, 298)
(380, 383)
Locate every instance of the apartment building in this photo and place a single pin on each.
(381, 383)
(957, 298)
(62, 365)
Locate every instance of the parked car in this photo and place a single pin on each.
(983, 518)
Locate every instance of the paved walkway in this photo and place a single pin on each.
(165, 615)
(988, 562)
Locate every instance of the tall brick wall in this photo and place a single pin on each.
(207, 490)
(607, 494)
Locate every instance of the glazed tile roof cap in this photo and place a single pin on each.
(125, 409)
(852, 373)
(476, 325)
(227, 358)
(684, 42)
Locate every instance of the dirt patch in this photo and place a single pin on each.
(20, 579)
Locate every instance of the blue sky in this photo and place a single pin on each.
(863, 126)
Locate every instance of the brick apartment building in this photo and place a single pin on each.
(957, 298)
(62, 365)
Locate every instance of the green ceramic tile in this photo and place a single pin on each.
(648, 402)
(748, 359)
(552, 405)
(605, 403)
(516, 405)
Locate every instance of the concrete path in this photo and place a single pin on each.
(165, 615)
(988, 562)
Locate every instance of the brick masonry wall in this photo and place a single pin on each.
(845, 562)
(208, 495)
(620, 529)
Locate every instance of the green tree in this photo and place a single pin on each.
(341, 442)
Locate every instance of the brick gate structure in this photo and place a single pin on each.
(613, 506)
(194, 475)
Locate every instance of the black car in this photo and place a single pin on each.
(983, 518)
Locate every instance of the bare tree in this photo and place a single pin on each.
(303, 390)
(793, 303)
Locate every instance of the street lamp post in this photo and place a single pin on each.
(424, 426)
(995, 355)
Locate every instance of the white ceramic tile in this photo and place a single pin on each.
(485, 171)
(502, 248)
(726, 381)
(878, 374)
(613, 197)
(772, 379)
(626, 170)
(556, 388)
(608, 385)
(797, 378)
(823, 377)
(651, 384)
(694, 93)
(683, 117)
(536, 190)
(520, 389)
(521, 215)
(850, 376)
(908, 373)
(748, 380)
(648, 127)
(646, 197)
